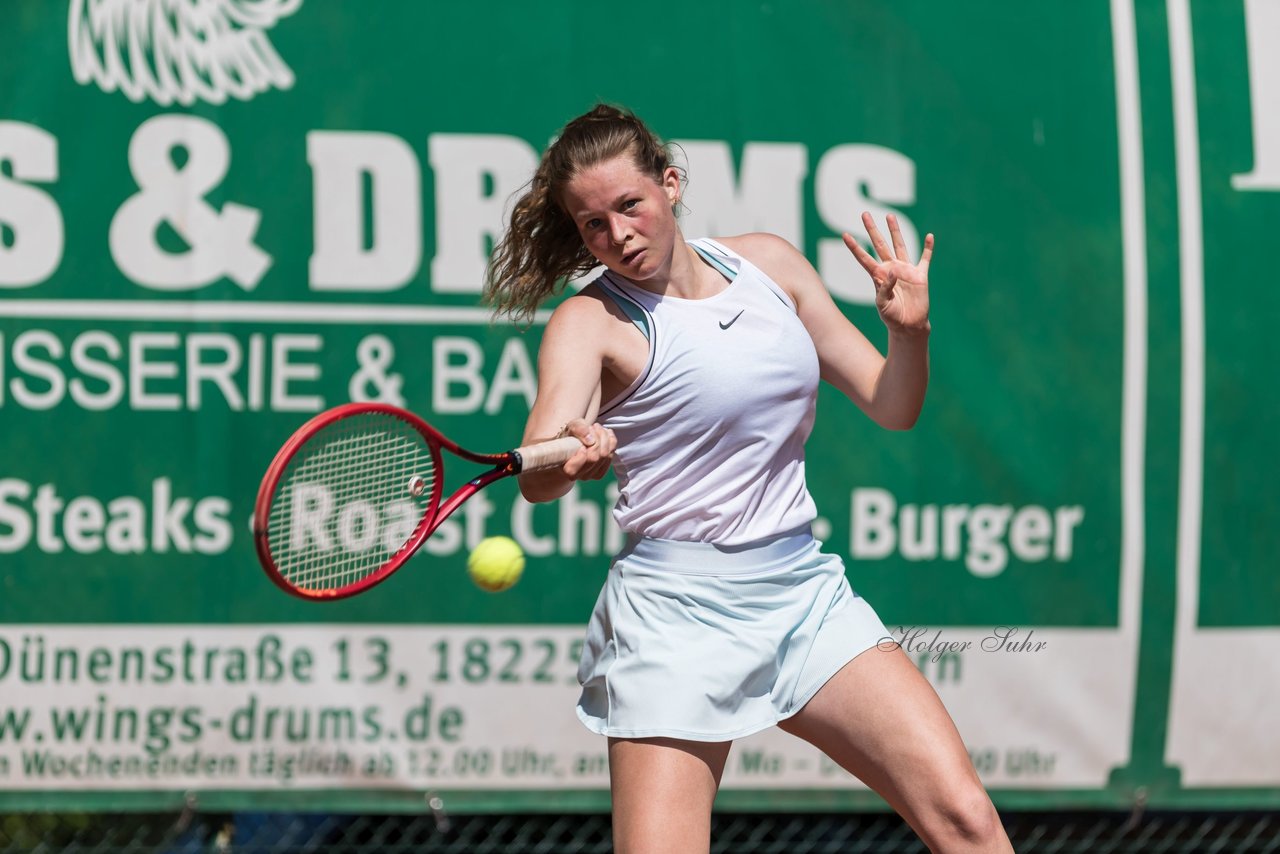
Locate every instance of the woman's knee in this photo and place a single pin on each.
(962, 818)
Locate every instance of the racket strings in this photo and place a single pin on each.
(349, 500)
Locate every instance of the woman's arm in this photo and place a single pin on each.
(889, 388)
(570, 362)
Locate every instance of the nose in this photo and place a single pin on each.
(619, 230)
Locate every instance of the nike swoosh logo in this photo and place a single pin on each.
(724, 325)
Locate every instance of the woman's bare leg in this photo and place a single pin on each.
(662, 791)
(883, 722)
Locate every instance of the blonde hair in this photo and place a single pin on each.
(542, 248)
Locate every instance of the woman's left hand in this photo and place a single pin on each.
(902, 288)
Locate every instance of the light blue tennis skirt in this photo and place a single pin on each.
(711, 643)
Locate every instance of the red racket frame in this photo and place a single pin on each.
(505, 465)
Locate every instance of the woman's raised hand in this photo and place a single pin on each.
(902, 288)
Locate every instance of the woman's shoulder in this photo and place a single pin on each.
(776, 257)
(763, 246)
(585, 313)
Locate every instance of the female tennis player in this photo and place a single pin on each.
(691, 367)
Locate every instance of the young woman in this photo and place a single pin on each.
(691, 368)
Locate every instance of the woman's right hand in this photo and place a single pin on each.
(596, 457)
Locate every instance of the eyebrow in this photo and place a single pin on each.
(621, 197)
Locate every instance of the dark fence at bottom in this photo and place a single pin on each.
(733, 833)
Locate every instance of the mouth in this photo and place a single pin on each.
(631, 257)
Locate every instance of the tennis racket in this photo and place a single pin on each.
(357, 490)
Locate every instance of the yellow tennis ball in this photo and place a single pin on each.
(496, 563)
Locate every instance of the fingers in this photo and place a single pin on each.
(874, 267)
(927, 253)
(596, 457)
(871, 265)
(580, 430)
(877, 240)
(899, 245)
(899, 250)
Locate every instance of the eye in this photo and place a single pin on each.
(591, 224)
(629, 204)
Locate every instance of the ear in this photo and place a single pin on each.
(671, 184)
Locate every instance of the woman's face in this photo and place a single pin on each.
(625, 217)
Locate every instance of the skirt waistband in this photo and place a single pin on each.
(691, 558)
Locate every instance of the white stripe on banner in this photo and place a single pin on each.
(251, 312)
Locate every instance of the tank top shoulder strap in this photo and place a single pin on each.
(635, 312)
(717, 257)
(721, 257)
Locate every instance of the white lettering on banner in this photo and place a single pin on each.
(311, 525)
(851, 179)
(447, 373)
(320, 522)
(767, 195)
(221, 372)
(341, 164)
(457, 363)
(1262, 28)
(221, 243)
(586, 527)
(81, 358)
(35, 249)
(475, 176)
(287, 370)
(90, 371)
(123, 525)
(513, 376)
(447, 538)
(43, 518)
(475, 516)
(880, 527)
(583, 526)
(25, 359)
(139, 344)
(315, 525)
(523, 532)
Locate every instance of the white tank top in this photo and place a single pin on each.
(711, 434)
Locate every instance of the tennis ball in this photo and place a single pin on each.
(496, 563)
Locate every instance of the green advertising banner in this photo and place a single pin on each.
(217, 219)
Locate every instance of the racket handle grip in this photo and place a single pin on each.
(545, 455)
